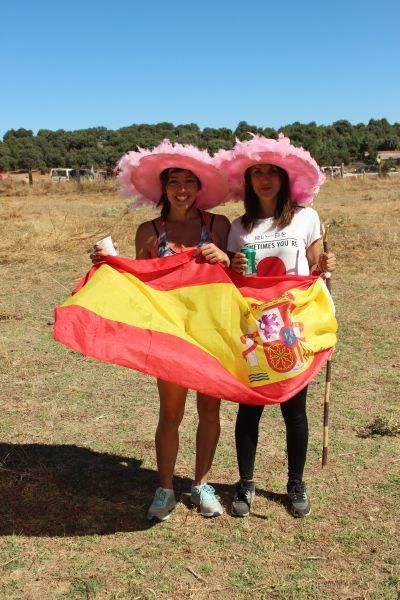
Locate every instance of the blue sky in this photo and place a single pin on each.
(83, 64)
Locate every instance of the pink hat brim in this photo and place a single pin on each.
(305, 177)
(140, 173)
(146, 178)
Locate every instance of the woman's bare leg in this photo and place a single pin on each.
(208, 431)
(172, 409)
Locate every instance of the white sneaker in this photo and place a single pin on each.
(203, 496)
(163, 502)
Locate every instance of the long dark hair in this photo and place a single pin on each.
(164, 202)
(284, 208)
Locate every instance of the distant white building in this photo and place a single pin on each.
(386, 154)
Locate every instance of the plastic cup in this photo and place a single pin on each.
(107, 245)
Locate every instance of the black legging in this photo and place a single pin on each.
(246, 433)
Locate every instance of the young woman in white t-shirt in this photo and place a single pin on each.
(274, 178)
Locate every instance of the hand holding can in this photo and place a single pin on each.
(250, 254)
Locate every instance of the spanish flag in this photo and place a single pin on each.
(256, 340)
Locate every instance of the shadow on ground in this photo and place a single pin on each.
(69, 490)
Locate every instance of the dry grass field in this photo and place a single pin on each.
(77, 463)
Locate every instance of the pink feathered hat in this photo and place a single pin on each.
(305, 176)
(140, 173)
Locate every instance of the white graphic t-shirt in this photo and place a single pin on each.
(279, 251)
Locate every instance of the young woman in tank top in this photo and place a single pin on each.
(182, 181)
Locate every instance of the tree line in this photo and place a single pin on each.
(102, 148)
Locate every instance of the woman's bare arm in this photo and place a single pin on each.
(324, 261)
(145, 240)
(221, 231)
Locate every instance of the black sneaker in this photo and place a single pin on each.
(243, 498)
(299, 504)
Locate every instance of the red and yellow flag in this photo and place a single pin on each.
(256, 340)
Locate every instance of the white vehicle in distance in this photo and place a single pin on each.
(363, 170)
(60, 175)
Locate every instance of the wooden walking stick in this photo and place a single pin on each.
(325, 437)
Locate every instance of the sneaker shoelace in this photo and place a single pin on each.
(298, 491)
(207, 493)
(243, 492)
(160, 498)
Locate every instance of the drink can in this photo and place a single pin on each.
(250, 254)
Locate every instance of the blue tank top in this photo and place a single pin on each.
(164, 248)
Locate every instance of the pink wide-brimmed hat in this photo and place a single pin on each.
(140, 173)
(305, 176)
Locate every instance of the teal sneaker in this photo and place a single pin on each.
(203, 496)
(163, 502)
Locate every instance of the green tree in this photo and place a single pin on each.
(243, 130)
(390, 143)
(30, 157)
(17, 133)
(6, 162)
(343, 127)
